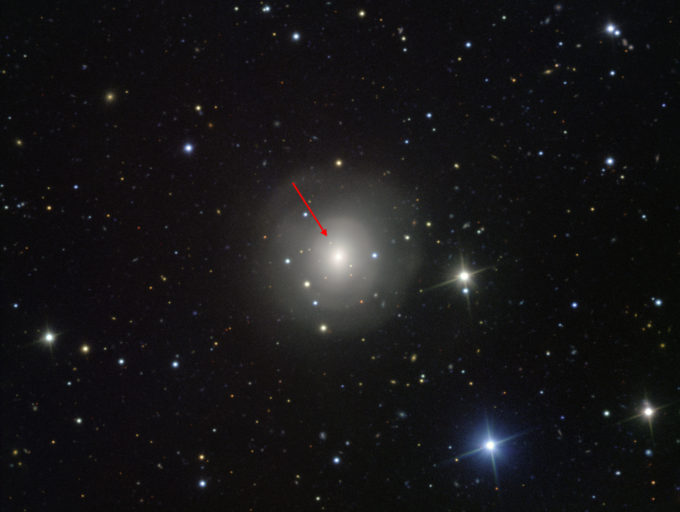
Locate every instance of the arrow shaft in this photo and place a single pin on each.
(310, 210)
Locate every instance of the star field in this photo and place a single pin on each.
(489, 322)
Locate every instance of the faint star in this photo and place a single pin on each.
(296, 36)
(188, 148)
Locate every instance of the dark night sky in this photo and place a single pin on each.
(499, 184)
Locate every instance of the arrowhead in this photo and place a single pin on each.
(324, 232)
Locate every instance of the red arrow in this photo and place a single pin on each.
(323, 231)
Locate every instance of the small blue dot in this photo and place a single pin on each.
(75, 187)
(374, 255)
(202, 483)
(175, 364)
(336, 460)
(658, 302)
(468, 44)
(574, 305)
(315, 303)
(429, 115)
(188, 148)
(406, 141)
(296, 36)
(15, 305)
(466, 291)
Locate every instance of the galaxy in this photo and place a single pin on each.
(356, 275)
(328, 256)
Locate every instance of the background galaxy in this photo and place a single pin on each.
(490, 324)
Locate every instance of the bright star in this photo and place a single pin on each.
(464, 276)
(648, 411)
(188, 148)
(49, 337)
(323, 327)
(490, 445)
(296, 36)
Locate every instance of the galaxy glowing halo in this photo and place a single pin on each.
(356, 277)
